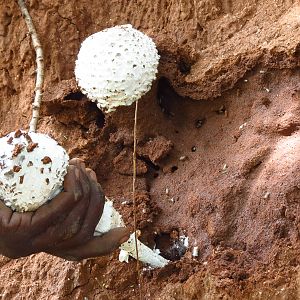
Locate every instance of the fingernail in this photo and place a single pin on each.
(124, 239)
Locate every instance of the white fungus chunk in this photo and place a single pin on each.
(32, 170)
(116, 66)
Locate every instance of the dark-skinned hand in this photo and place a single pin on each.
(63, 227)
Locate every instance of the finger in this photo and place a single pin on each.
(19, 220)
(59, 207)
(77, 162)
(70, 226)
(92, 174)
(5, 215)
(98, 246)
(92, 217)
(71, 181)
(11, 221)
(94, 211)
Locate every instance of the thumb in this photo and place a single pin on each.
(100, 245)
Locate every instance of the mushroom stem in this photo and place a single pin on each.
(40, 66)
(111, 219)
(146, 255)
(133, 193)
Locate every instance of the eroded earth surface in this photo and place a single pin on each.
(218, 145)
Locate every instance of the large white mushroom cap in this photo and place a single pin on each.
(32, 170)
(116, 66)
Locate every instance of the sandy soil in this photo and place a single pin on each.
(219, 145)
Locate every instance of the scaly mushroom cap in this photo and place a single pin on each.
(116, 66)
(32, 169)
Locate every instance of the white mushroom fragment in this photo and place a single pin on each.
(116, 66)
(32, 170)
(111, 219)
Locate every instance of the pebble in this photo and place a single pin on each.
(195, 251)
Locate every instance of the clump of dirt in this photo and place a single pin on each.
(218, 146)
(155, 149)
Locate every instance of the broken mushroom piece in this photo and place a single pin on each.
(116, 66)
(111, 219)
(32, 169)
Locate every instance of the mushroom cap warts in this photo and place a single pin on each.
(116, 66)
(32, 169)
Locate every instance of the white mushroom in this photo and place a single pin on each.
(32, 170)
(116, 66)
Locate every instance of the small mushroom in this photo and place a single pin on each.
(28, 188)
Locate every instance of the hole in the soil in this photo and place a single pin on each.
(74, 96)
(221, 110)
(199, 27)
(100, 120)
(290, 129)
(100, 117)
(184, 67)
(297, 51)
(170, 248)
(149, 163)
(266, 101)
(173, 169)
(296, 94)
(200, 122)
(165, 96)
(242, 276)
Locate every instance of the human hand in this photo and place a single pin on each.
(65, 226)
